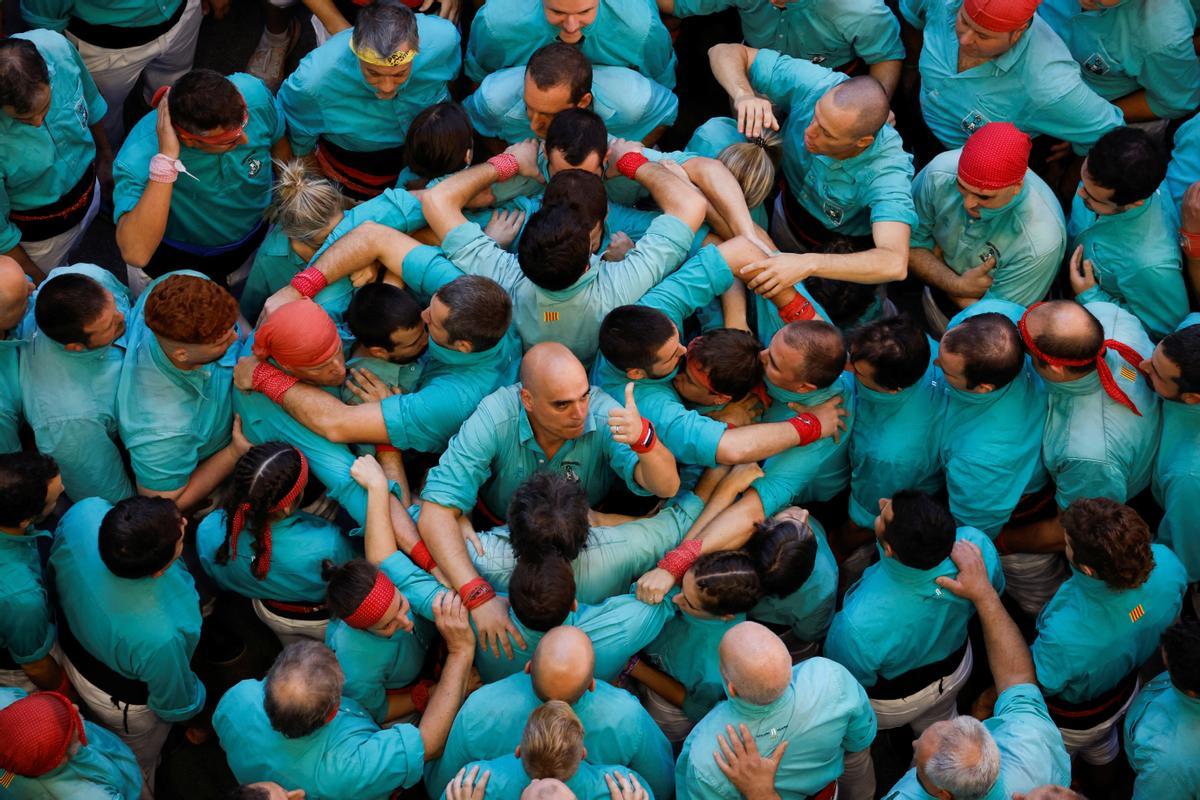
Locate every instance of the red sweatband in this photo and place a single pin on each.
(1191, 243)
(680, 560)
(807, 426)
(420, 694)
(385, 448)
(374, 605)
(646, 439)
(421, 556)
(506, 166)
(309, 282)
(629, 164)
(475, 593)
(272, 381)
(798, 310)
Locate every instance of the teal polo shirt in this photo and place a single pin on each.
(103, 769)
(1036, 85)
(1090, 636)
(1176, 478)
(27, 629)
(822, 714)
(616, 730)
(55, 14)
(495, 451)
(613, 556)
(807, 611)
(39, 165)
(1162, 741)
(847, 195)
(275, 264)
(328, 97)
(349, 756)
(625, 33)
(630, 104)
(1184, 167)
(1031, 749)
(146, 629)
(896, 618)
(509, 779)
(1136, 44)
(1135, 257)
(1027, 237)
(70, 401)
(374, 664)
(895, 443)
(686, 649)
(1092, 445)
(11, 414)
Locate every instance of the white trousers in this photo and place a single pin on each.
(1031, 579)
(1098, 745)
(670, 718)
(290, 630)
(53, 252)
(921, 709)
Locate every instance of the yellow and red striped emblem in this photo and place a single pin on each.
(6, 778)
(1128, 372)
(1136, 613)
(550, 316)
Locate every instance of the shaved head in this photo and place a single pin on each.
(14, 293)
(563, 665)
(866, 97)
(547, 789)
(755, 662)
(1064, 329)
(550, 364)
(555, 391)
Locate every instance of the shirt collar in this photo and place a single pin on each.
(1088, 384)
(593, 272)
(807, 398)
(747, 710)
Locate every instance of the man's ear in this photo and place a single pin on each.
(592, 685)
(378, 352)
(636, 374)
(74, 347)
(1189, 398)
(528, 667)
(462, 346)
(585, 101)
(866, 141)
(517, 752)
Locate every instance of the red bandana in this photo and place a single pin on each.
(35, 733)
(374, 605)
(692, 366)
(223, 138)
(261, 564)
(995, 157)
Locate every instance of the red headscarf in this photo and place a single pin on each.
(262, 562)
(996, 156)
(374, 605)
(1001, 16)
(300, 334)
(35, 733)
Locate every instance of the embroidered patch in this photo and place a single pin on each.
(973, 121)
(1128, 373)
(6, 778)
(1137, 613)
(1096, 64)
(819, 59)
(253, 165)
(550, 316)
(833, 213)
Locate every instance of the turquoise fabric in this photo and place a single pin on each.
(27, 629)
(686, 649)
(373, 664)
(808, 610)
(509, 779)
(55, 14)
(1176, 478)
(1162, 741)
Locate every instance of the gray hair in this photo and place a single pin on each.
(386, 26)
(967, 761)
(303, 202)
(302, 687)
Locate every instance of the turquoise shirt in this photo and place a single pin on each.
(70, 400)
(1035, 85)
(54, 14)
(509, 779)
(495, 451)
(573, 315)
(808, 610)
(687, 651)
(39, 165)
(895, 443)
(27, 628)
(1090, 636)
(299, 543)
(612, 558)
(625, 33)
(1176, 478)
(1092, 445)
(1031, 749)
(822, 714)
(347, 758)
(1137, 44)
(1136, 259)
(373, 664)
(146, 629)
(1184, 168)
(328, 97)
(1162, 741)
(171, 419)
(616, 730)
(223, 200)
(11, 345)
(1027, 237)
(630, 104)
(767, 321)
(275, 264)
(103, 769)
(847, 195)
(896, 618)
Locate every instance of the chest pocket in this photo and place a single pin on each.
(974, 119)
(1097, 64)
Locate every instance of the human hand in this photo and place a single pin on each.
(526, 153)
(496, 627)
(288, 294)
(654, 585)
(454, 624)
(469, 534)
(243, 373)
(217, 8)
(976, 281)
(241, 445)
(369, 387)
(368, 274)
(168, 141)
(625, 422)
(619, 245)
(1081, 272)
(746, 769)
(754, 115)
(464, 787)
(1190, 209)
(504, 226)
(1058, 152)
(830, 414)
(782, 271)
(622, 787)
(972, 582)
(746, 411)
(617, 149)
(368, 474)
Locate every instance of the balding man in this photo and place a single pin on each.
(617, 730)
(844, 166)
(816, 706)
(16, 324)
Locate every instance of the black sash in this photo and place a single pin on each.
(217, 266)
(40, 224)
(1089, 714)
(102, 676)
(116, 37)
(915, 680)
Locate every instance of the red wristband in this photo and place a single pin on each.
(797, 310)
(272, 381)
(1190, 243)
(680, 560)
(421, 556)
(646, 439)
(629, 163)
(420, 694)
(385, 448)
(506, 166)
(807, 426)
(475, 593)
(309, 282)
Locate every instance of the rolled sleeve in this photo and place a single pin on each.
(166, 463)
(876, 34)
(657, 254)
(791, 82)
(466, 464)
(476, 253)
(426, 419)
(176, 694)
(1171, 77)
(426, 271)
(27, 630)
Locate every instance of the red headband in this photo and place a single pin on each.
(694, 372)
(36, 732)
(1001, 16)
(225, 137)
(374, 605)
(1106, 378)
(261, 564)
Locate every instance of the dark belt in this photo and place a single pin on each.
(1090, 713)
(362, 174)
(217, 266)
(117, 37)
(303, 612)
(39, 224)
(114, 684)
(915, 680)
(811, 231)
(7, 662)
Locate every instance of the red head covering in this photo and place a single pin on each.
(300, 334)
(374, 605)
(35, 733)
(262, 562)
(1106, 379)
(995, 156)
(1001, 16)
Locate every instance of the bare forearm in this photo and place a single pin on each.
(360, 247)
(1008, 655)
(393, 468)
(732, 527)
(328, 14)
(399, 705)
(403, 527)
(731, 67)
(445, 702)
(443, 204)
(724, 195)
(877, 265)
(329, 417)
(439, 531)
(734, 307)
(1135, 108)
(1043, 536)
(140, 231)
(18, 254)
(1193, 274)
(674, 196)
(931, 270)
(657, 472)
(713, 506)
(379, 539)
(45, 673)
(888, 74)
(663, 684)
(755, 442)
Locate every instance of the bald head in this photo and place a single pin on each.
(14, 293)
(302, 687)
(563, 665)
(548, 364)
(1065, 329)
(547, 789)
(866, 98)
(755, 662)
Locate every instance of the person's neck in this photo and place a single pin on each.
(966, 62)
(550, 443)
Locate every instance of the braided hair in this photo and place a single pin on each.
(261, 478)
(784, 552)
(728, 582)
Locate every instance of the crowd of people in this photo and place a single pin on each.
(559, 439)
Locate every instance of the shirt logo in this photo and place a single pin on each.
(833, 213)
(6, 778)
(989, 251)
(1137, 613)
(818, 59)
(81, 111)
(1128, 373)
(253, 165)
(550, 316)
(569, 472)
(973, 121)
(1096, 64)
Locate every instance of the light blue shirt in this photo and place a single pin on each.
(1184, 168)
(27, 628)
(373, 664)
(1176, 480)
(509, 779)
(687, 651)
(1162, 741)
(11, 346)
(275, 264)
(54, 14)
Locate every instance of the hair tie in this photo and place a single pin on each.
(261, 564)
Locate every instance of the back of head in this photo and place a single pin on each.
(730, 359)
(753, 165)
(821, 348)
(1130, 162)
(1111, 539)
(548, 515)
(990, 347)
(559, 63)
(378, 310)
(36, 734)
(577, 133)
(784, 552)
(480, 311)
(262, 478)
(204, 100)
(190, 310)
(1067, 330)
(1181, 649)
(139, 535)
(302, 688)
(630, 336)
(250, 791)
(867, 98)
(967, 761)
(303, 202)
(582, 191)
(24, 483)
(438, 140)
(896, 349)
(23, 74)
(728, 582)
(1182, 348)
(386, 26)
(542, 591)
(563, 665)
(552, 742)
(755, 662)
(67, 304)
(555, 249)
(347, 585)
(843, 301)
(921, 533)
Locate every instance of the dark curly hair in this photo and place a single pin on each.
(1111, 539)
(1181, 649)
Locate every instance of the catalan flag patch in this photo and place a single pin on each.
(550, 316)
(1136, 613)
(1128, 372)
(6, 778)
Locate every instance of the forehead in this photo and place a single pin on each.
(569, 6)
(376, 71)
(551, 95)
